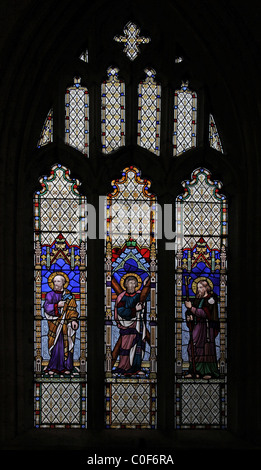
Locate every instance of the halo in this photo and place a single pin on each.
(132, 275)
(197, 280)
(58, 273)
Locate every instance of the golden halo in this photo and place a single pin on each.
(133, 275)
(197, 280)
(58, 273)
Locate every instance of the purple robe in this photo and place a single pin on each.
(57, 362)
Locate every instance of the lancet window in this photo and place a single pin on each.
(60, 307)
(200, 313)
(131, 305)
(149, 107)
(112, 112)
(77, 117)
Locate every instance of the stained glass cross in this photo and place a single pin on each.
(132, 40)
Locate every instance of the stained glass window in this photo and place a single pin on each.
(77, 117)
(132, 40)
(130, 303)
(214, 138)
(60, 302)
(84, 56)
(46, 136)
(149, 104)
(185, 119)
(200, 318)
(112, 111)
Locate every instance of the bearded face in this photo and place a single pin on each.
(131, 285)
(202, 290)
(58, 283)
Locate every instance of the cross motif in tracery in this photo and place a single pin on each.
(132, 40)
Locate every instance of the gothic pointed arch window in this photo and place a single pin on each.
(60, 302)
(110, 123)
(131, 306)
(200, 313)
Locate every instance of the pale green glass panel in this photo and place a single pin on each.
(185, 120)
(77, 117)
(149, 108)
(112, 112)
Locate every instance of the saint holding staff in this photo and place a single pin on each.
(60, 311)
(131, 321)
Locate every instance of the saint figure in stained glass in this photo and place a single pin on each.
(61, 312)
(200, 314)
(203, 323)
(130, 315)
(60, 302)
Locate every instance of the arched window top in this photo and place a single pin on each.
(131, 207)
(201, 186)
(202, 210)
(131, 104)
(131, 185)
(58, 183)
(59, 207)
